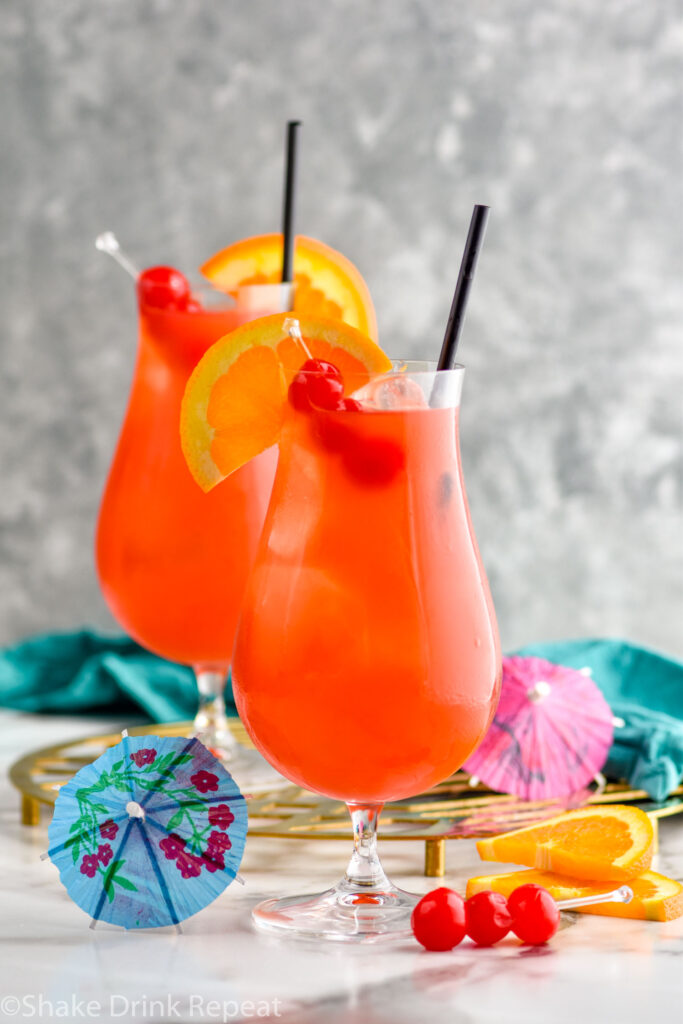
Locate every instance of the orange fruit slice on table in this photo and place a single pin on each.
(326, 283)
(236, 399)
(596, 843)
(655, 897)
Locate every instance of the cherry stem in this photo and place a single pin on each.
(293, 328)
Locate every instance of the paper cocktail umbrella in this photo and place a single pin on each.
(551, 733)
(149, 833)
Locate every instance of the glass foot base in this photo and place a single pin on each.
(347, 913)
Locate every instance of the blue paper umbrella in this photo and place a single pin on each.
(149, 833)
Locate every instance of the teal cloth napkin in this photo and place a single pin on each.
(85, 672)
(646, 690)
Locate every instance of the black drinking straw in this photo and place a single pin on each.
(288, 202)
(456, 317)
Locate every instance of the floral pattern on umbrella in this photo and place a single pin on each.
(149, 833)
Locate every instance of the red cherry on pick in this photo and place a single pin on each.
(318, 384)
(163, 288)
(348, 405)
(438, 920)
(325, 383)
(298, 392)
(322, 367)
(535, 915)
(488, 918)
(325, 392)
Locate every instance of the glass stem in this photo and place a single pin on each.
(365, 869)
(211, 724)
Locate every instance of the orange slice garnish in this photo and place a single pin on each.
(326, 283)
(236, 399)
(655, 897)
(596, 843)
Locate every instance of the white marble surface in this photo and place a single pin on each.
(596, 969)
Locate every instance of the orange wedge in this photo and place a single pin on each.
(326, 283)
(236, 399)
(611, 843)
(655, 897)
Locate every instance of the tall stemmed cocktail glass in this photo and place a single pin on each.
(173, 562)
(367, 664)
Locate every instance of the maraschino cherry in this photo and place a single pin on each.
(438, 920)
(164, 288)
(535, 914)
(317, 385)
(442, 918)
(488, 918)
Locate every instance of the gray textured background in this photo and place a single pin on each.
(164, 120)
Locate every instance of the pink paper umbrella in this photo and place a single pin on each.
(551, 733)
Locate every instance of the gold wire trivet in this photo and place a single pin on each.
(452, 810)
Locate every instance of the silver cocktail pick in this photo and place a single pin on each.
(624, 894)
(109, 243)
(293, 328)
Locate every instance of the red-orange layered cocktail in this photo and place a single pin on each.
(366, 666)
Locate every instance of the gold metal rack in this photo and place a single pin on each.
(452, 810)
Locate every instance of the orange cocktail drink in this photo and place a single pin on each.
(367, 664)
(172, 562)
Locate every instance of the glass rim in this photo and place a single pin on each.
(409, 386)
(427, 368)
(214, 311)
(221, 302)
